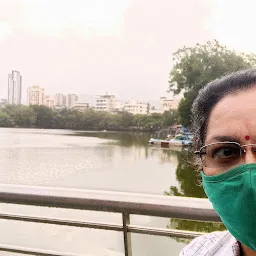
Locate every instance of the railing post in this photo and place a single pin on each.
(127, 235)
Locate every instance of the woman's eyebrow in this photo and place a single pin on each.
(226, 138)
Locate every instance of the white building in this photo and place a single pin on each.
(167, 104)
(35, 95)
(135, 107)
(14, 88)
(48, 101)
(60, 100)
(119, 106)
(106, 102)
(164, 104)
(81, 106)
(70, 100)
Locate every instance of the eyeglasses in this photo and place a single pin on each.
(223, 154)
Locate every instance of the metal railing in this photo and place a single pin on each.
(105, 201)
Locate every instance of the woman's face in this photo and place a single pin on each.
(233, 119)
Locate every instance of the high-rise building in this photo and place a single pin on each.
(35, 95)
(71, 99)
(60, 100)
(14, 88)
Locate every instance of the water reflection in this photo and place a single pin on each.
(124, 139)
(186, 175)
(188, 180)
(181, 158)
(136, 141)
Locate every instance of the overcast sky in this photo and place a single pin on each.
(116, 46)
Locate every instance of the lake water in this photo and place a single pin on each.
(100, 161)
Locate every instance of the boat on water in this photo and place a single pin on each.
(181, 140)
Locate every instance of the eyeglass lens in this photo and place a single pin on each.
(221, 155)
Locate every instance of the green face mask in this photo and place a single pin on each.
(233, 196)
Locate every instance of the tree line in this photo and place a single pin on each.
(43, 117)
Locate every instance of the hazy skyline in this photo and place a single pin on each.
(116, 46)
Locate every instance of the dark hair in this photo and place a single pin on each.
(212, 93)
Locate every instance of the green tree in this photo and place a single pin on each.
(170, 117)
(154, 121)
(44, 116)
(196, 66)
(23, 116)
(5, 120)
(68, 119)
(91, 119)
(126, 119)
(142, 121)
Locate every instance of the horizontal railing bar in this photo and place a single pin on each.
(62, 222)
(163, 232)
(32, 251)
(108, 201)
(103, 226)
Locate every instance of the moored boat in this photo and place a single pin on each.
(179, 140)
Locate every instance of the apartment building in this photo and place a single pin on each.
(81, 106)
(49, 101)
(70, 100)
(35, 95)
(60, 100)
(135, 107)
(106, 103)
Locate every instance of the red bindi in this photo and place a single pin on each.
(247, 137)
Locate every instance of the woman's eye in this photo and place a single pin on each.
(224, 152)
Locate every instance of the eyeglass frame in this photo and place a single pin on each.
(243, 150)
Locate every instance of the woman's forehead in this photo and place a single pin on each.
(234, 115)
